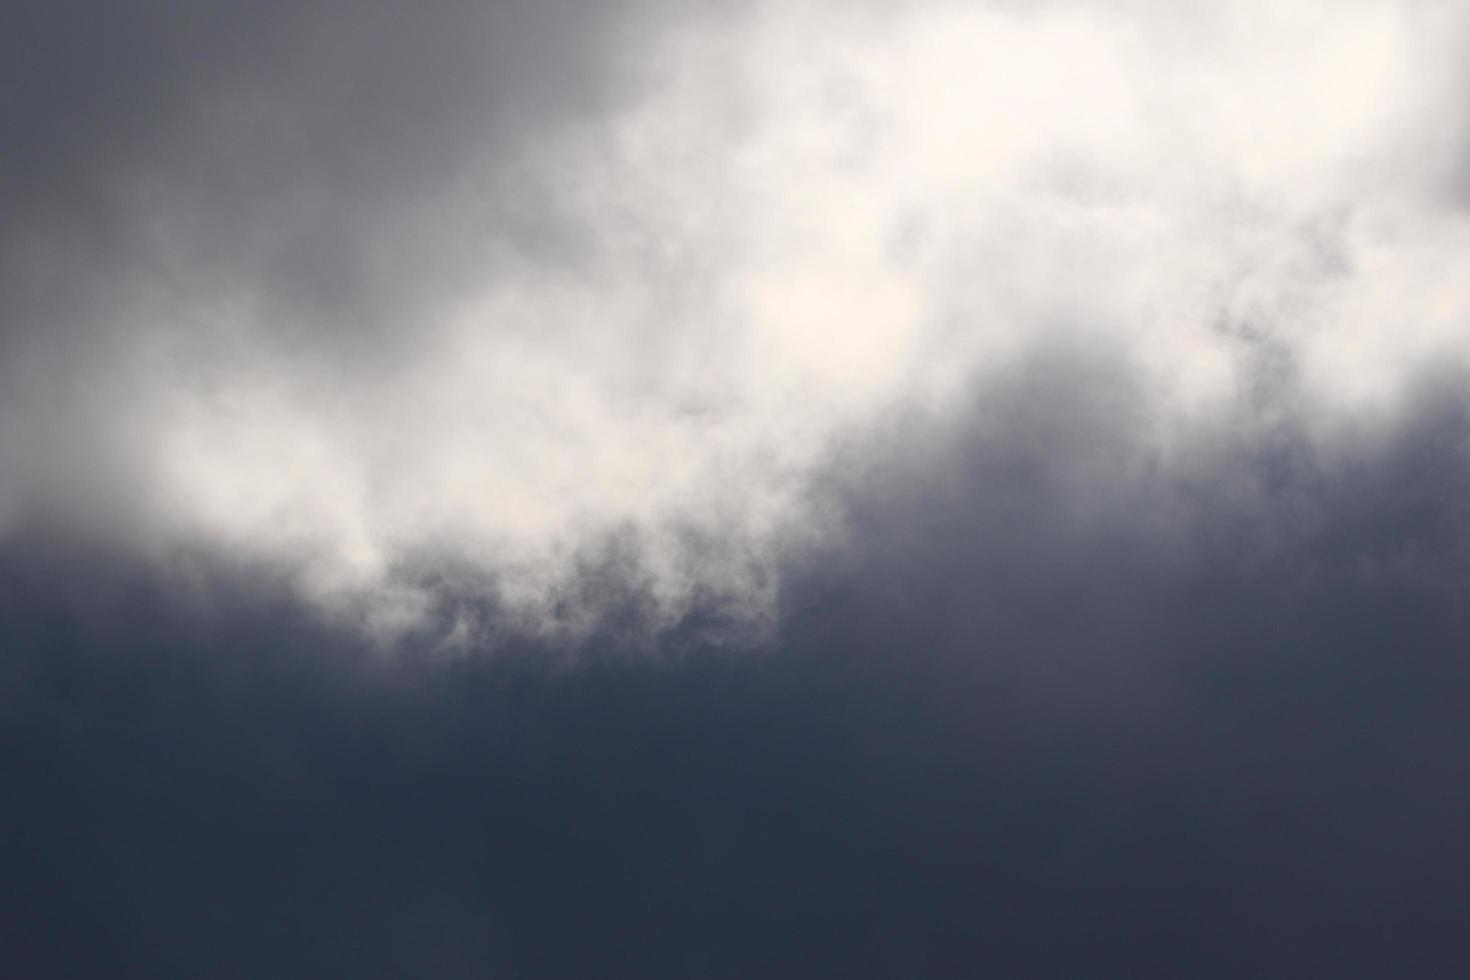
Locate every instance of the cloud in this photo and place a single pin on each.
(412, 307)
(733, 489)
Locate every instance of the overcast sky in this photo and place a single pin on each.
(546, 489)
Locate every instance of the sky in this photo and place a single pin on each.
(527, 488)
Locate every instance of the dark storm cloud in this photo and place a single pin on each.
(1048, 712)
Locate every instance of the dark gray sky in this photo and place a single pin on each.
(723, 490)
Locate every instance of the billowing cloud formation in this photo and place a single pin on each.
(1068, 400)
(418, 308)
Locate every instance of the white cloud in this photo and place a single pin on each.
(815, 214)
